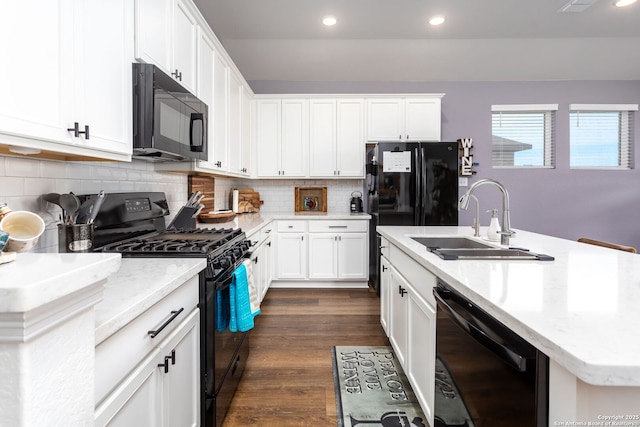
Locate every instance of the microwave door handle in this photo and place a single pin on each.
(198, 145)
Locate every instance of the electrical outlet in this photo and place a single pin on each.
(463, 181)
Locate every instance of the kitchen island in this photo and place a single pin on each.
(581, 310)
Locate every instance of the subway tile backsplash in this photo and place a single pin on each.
(23, 180)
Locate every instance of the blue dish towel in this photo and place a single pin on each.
(241, 316)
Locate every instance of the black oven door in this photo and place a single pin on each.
(486, 375)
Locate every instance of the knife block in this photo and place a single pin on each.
(184, 220)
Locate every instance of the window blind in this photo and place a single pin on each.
(601, 136)
(523, 136)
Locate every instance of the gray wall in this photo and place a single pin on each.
(601, 204)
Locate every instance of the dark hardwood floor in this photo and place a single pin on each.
(288, 380)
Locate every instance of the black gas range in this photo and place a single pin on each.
(133, 224)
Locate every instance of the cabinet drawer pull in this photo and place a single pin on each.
(338, 226)
(384, 268)
(174, 314)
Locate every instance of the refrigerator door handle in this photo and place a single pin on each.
(423, 193)
(417, 168)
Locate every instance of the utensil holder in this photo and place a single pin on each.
(75, 238)
(184, 220)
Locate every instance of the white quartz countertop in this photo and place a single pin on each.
(34, 279)
(137, 286)
(252, 222)
(582, 309)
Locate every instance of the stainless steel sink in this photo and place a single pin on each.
(489, 254)
(450, 242)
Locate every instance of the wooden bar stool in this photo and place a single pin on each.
(608, 245)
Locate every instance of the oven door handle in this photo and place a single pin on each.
(510, 356)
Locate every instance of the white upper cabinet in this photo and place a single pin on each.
(404, 119)
(85, 49)
(322, 138)
(282, 137)
(219, 138)
(336, 138)
(239, 126)
(350, 153)
(166, 33)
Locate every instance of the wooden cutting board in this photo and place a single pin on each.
(205, 185)
(248, 200)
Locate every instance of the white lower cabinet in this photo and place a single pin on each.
(261, 260)
(291, 257)
(408, 315)
(163, 388)
(337, 251)
(385, 296)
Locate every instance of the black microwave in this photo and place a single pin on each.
(169, 122)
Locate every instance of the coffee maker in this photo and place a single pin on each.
(356, 202)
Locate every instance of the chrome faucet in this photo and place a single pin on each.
(463, 203)
(476, 220)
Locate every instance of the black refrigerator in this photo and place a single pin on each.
(409, 183)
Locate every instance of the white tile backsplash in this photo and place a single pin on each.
(23, 180)
(279, 195)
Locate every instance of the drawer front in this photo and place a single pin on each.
(120, 353)
(266, 232)
(290, 226)
(338, 226)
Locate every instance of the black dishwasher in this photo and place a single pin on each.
(486, 375)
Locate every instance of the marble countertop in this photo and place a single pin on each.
(582, 309)
(137, 286)
(35, 279)
(252, 222)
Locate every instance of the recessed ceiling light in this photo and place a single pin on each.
(329, 21)
(436, 20)
(623, 3)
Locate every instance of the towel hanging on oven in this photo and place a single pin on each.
(241, 315)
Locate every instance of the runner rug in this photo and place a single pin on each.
(371, 389)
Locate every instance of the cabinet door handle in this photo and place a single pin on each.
(384, 268)
(400, 137)
(401, 290)
(218, 164)
(174, 314)
(172, 357)
(165, 365)
(77, 132)
(255, 261)
(302, 237)
(177, 75)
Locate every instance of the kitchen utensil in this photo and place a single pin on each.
(24, 228)
(53, 198)
(97, 206)
(70, 205)
(89, 209)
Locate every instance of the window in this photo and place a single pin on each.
(522, 135)
(601, 135)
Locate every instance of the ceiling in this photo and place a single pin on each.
(391, 40)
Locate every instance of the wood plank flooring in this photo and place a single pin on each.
(288, 380)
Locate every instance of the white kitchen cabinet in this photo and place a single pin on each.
(282, 137)
(261, 256)
(323, 256)
(404, 119)
(239, 125)
(166, 34)
(164, 389)
(70, 37)
(385, 294)
(291, 256)
(291, 250)
(408, 310)
(337, 251)
(220, 114)
(336, 141)
(420, 356)
(398, 316)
